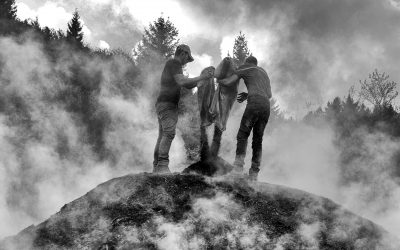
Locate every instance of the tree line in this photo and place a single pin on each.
(371, 108)
(80, 92)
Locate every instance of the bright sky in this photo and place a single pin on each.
(313, 51)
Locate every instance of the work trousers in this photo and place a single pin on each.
(167, 114)
(255, 117)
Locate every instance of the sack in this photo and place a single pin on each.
(205, 95)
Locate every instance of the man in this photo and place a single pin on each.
(172, 79)
(256, 114)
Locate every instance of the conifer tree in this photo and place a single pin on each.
(240, 49)
(74, 31)
(8, 10)
(158, 43)
(35, 24)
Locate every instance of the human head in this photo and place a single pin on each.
(251, 60)
(225, 68)
(181, 51)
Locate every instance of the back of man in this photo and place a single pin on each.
(170, 90)
(257, 82)
(255, 116)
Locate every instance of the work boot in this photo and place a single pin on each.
(253, 174)
(238, 165)
(161, 170)
(237, 169)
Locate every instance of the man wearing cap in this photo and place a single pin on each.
(172, 79)
(256, 114)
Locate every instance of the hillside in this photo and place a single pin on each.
(186, 211)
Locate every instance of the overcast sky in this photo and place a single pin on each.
(313, 50)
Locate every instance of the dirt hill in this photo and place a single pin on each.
(187, 211)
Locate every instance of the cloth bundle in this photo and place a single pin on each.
(215, 102)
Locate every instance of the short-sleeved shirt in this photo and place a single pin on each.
(170, 89)
(256, 80)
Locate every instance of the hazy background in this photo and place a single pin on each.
(313, 51)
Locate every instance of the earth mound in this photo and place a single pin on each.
(187, 211)
(211, 167)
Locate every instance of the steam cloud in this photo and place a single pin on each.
(46, 160)
(308, 158)
(313, 51)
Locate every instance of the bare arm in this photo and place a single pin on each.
(229, 80)
(187, 82)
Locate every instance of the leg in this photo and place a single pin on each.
(168, 115)
(258, 133)
(156, 149)
(204, 150)
(216, 143)
(246, 125)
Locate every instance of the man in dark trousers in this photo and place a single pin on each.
(256, 114)
(172, 79)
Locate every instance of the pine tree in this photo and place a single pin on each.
(333, 108)
(35, 24)
(159, 42)
(240, 49)
(74, 32)
(8, 10)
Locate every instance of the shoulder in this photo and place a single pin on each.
(262, 70)
(173, 65)
(173, 62)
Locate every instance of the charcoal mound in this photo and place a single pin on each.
(210, 167)
(192, 211)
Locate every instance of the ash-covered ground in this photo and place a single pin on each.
(191, 211)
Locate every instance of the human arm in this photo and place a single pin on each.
(189, 83)
(242, 97)
(229, 80)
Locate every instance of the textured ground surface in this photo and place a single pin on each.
(185, 211)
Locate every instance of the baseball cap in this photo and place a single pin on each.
(184, 47)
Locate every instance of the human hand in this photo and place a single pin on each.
(208, 73)
(242, 97)
(201, 83)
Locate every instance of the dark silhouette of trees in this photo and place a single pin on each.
(333, 108)
(240, 49)
(378, 90)
(158, 43)
(35, 24)
(74, 31)
(52, 34)
(8, 10)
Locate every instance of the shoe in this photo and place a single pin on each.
(237, 169)
(161, 170)
(253, 175)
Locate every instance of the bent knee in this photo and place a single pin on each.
(169, 134)
(243, 134)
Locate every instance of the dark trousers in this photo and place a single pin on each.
(255, 117)
(167, 114)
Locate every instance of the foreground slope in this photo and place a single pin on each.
(185, 211)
